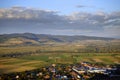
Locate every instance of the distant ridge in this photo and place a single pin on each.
(30, 38)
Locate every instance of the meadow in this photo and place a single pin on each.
(39, 57)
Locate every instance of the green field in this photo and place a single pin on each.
(30, 62)
(22, 58)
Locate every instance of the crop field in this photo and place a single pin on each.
(22, 58)
(35, 61)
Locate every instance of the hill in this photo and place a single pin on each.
(37, 39)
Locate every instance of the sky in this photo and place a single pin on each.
(61, 17)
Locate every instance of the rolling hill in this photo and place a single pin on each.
(38, 39)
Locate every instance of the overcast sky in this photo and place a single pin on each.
(61, 17)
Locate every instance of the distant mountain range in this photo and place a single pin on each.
(30, 38)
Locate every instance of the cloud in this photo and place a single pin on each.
(84, 6)
(81, 6)
(21, 19)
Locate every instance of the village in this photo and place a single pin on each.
(79, 71)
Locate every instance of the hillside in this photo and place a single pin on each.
(37, 39)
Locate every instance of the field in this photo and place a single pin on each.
(58, 55)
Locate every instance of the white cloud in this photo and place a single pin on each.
(21, 18)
